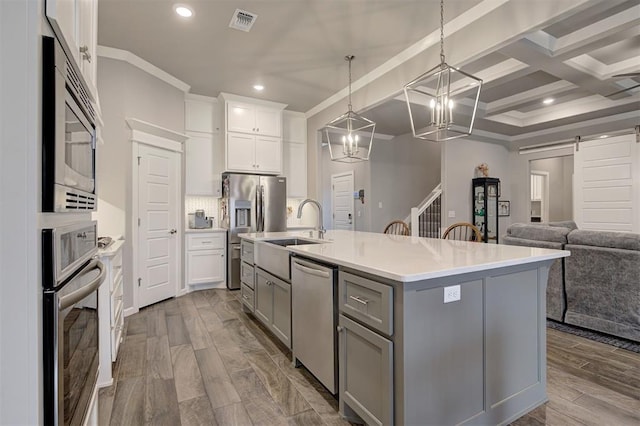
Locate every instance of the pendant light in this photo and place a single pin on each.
(442, 102)
(350, 136)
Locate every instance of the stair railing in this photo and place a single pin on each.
(425, 220)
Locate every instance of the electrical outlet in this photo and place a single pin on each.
(380, 204)
(452, 213)
(451, 294)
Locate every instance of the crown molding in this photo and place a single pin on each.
(138, 62)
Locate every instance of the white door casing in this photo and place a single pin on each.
(144, 134)
(342, 208)
(158, 182)
(607, 184)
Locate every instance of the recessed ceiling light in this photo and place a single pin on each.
(182, 10)
(548, 101)
(258, 87)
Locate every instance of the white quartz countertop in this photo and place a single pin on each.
(203, 230)
(408, 259)
(112, 249)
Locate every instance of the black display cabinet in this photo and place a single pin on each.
(486, 192)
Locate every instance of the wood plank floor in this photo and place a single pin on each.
(198, 360)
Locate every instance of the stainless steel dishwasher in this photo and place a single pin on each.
(314, 319)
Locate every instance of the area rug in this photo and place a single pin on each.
(594, 335)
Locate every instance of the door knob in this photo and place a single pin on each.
(173, 231)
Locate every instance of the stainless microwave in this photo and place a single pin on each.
(68, 135)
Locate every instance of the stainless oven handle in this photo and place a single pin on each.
(72, 298)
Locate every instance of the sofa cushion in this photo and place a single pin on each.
(564, 224)
(620, 240)
(539, 232)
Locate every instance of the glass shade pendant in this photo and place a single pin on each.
(349, 136)
(442, 102)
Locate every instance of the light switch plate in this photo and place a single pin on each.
(452, 294)
(452, 213)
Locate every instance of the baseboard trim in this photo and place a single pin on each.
(130, 311)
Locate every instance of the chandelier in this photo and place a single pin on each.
(442, 102)
(350, 136)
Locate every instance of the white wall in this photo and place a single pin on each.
(459, 160)
(404, 170)
(20, 275)
(520, 183)
(560, 171)
(127, 92)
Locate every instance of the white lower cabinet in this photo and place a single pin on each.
(206, 258)
(273, 304)
(110, 311)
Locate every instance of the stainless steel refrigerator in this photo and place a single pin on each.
(250, 203)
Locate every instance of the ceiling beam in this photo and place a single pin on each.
(521, 99)
(530, 53)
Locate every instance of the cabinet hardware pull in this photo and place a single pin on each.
(85, 53)
(340, 329)
(173, 231)
(359, 300)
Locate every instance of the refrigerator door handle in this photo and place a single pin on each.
(257, 209)
(262, 207)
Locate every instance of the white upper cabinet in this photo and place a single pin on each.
(255, 119)
(75, 23)
(203, 163)
(252, 131)
(198, 115)
(254, 154)
(268, 154)
(295, 126)
(295, 153)
(241, 152)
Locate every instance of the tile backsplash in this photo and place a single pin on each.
(309, 214)
(208, 204)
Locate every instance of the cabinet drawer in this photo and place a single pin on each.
(246, 274)
(116, 300)
(246, 252)
(116, 335)
(367, 301)
(206, 241)
(247, 297)
(116, 268)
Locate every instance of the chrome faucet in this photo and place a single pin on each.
(319, 228)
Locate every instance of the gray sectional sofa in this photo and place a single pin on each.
(598, 286)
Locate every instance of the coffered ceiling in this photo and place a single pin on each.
(296, 49)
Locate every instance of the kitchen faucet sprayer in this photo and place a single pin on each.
(319, 227)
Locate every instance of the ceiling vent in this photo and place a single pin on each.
(242, 20)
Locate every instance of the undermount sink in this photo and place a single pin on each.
(273, 257)
(292, 242)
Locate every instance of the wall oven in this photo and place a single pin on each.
(68, 135)
(71, 277)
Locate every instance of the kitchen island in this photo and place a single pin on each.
(431, 331)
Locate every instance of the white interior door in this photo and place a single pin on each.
(158, 206)
(607, 184)
(342, 201)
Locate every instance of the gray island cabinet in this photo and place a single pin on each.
(436, 332)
